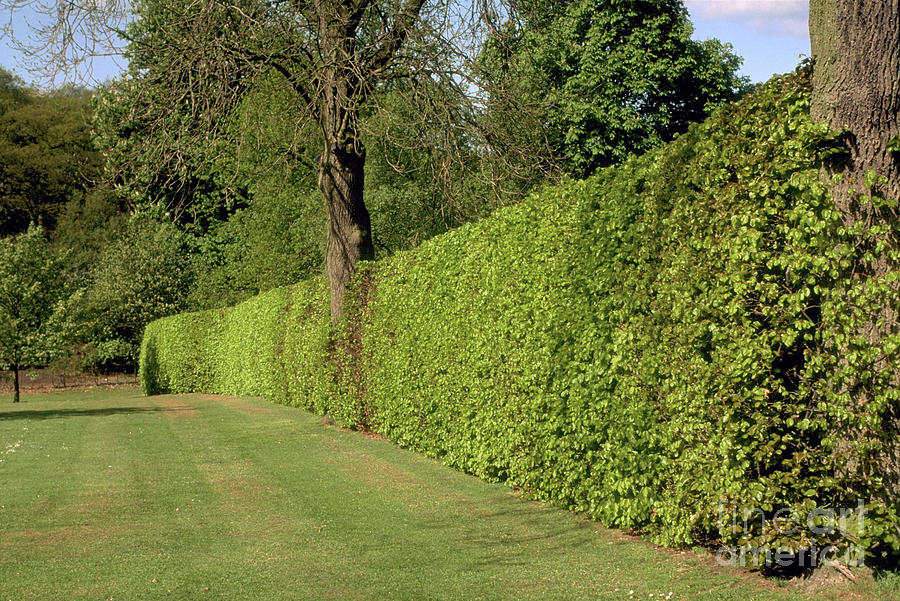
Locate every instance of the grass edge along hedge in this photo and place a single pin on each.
(656, 346)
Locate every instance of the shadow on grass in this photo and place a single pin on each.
(41, 414)
(515, 530)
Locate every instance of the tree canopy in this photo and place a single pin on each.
(46, 153)
(580, 85)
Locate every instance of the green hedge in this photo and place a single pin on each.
(271, 345)
(655, 346)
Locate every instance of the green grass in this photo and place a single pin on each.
(106, 494)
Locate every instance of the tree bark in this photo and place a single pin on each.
(341, 178)
(856, 88)
(341, 165)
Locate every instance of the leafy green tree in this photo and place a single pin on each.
(193, 62)
(162, 161)
(576, 86)
(46, 155)
(13, 91)
(33, 319)
(139, 277)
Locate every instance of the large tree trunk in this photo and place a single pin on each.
(349, 227)
(856, 88)
(341, 172)
(856, 85)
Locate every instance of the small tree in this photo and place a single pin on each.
(32, 317)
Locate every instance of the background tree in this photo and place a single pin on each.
(13, 91)
(32, 315)
(575, 86)
(140, 276)
(46, 155)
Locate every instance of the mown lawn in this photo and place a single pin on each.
(107, 494)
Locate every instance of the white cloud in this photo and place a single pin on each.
(773, 16)
(724, 9)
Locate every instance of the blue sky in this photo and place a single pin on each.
(769, 34)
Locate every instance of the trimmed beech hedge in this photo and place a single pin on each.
(271, 345)
(655, 346)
